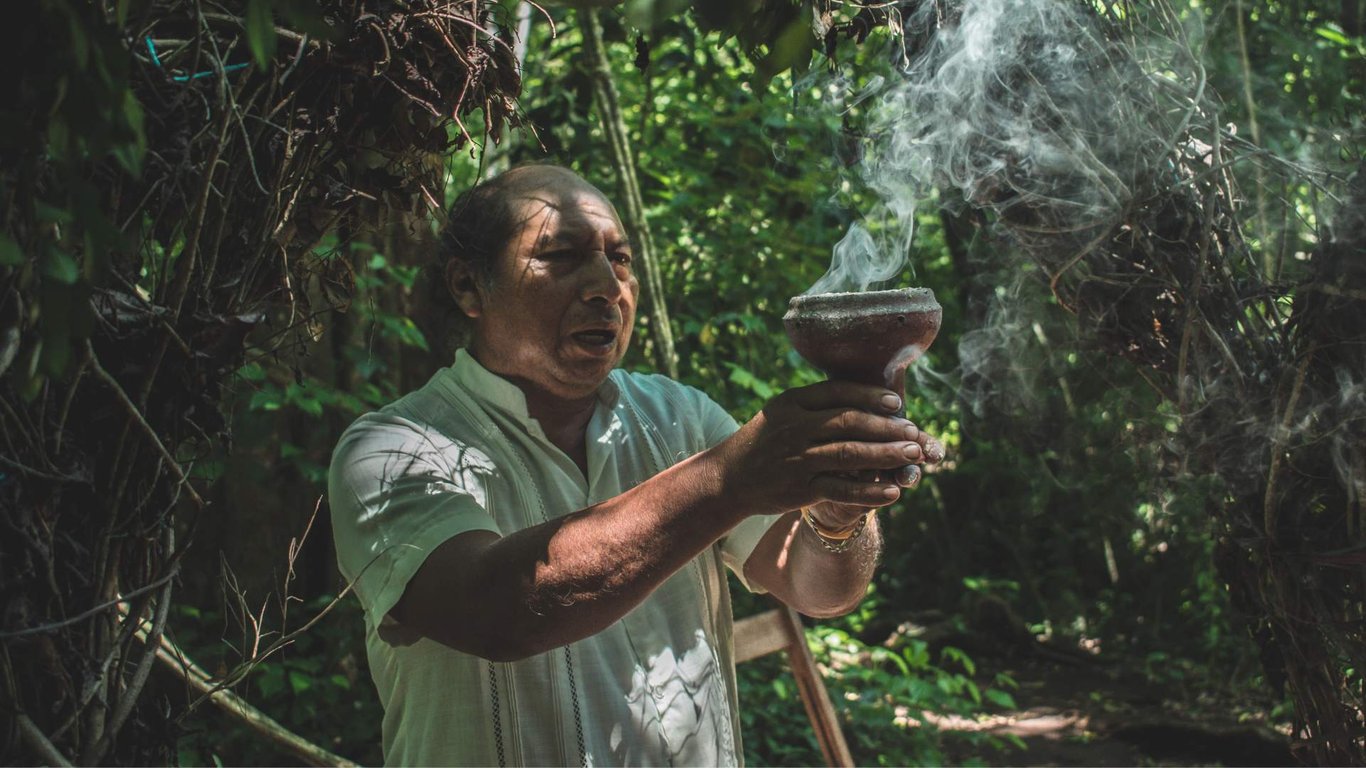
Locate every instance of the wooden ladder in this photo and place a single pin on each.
(781, 630)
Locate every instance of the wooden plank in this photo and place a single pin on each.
(760, 635)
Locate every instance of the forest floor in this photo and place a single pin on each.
(1078, 712)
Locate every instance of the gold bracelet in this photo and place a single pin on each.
(835, 541)
(826, 533)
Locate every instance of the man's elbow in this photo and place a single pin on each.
(832, 609)
(819, 600)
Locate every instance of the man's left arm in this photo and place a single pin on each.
(826, 576)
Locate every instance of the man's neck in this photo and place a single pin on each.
(564, 422)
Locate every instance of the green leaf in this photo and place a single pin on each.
(1000, 698)
(260, 25)
(793, 45)
(80, 41)
(299, 682)
(956, 655)
(264, 400)
(61, 266)
(58, 138)
(56, 356)
(11, 255)
(741, 376)
(270, 682)
(51, 213)
(129, 153)
(208, 469)
(645, 14)
(1332, 33)
(974, 692)
(300, 397)
(252, 372)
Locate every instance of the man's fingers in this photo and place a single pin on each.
(932, 449)
(858, 493)
(849, 424)
(908, 476)
(853, 456)
(829, 395)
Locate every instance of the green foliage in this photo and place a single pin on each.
(74, 108)
(1059, 499)
(889, 701)
(260, 28)
(277, 386)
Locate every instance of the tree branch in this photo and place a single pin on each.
(39, 742)
(234, 706)
(133, 411)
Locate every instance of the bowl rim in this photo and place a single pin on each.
(894, 300)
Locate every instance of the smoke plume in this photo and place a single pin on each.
(1020, 102)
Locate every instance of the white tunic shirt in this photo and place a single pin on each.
(462, 454)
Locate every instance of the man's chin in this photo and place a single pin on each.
(585, 373)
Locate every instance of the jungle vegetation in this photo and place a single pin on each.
(214, 223)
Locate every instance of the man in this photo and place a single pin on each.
(538, 538)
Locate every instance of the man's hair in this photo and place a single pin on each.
(478, 226)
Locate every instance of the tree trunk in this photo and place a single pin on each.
(660, 341)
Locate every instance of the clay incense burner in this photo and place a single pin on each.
(869, 338)
(865, 337)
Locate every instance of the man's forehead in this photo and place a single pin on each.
(545, 180)
(561, 210)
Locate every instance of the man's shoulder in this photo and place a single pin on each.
(422, 415)
(656, 388)
(677, 410)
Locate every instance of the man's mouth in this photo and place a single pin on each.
(599, 338)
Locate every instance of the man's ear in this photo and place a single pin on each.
(464, 288)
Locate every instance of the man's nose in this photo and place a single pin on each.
(601, 281)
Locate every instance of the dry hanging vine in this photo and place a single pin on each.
(168, 172)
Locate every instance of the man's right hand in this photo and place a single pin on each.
(807, 445)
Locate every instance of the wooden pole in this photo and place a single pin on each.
(819, 710)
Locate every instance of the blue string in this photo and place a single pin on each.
(152, 49)
(197, 75)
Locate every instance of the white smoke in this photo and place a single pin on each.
(1020, 102)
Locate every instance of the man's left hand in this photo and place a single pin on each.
(836, 517)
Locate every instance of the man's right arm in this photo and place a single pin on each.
(509, 597)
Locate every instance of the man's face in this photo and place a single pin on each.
(557, 316)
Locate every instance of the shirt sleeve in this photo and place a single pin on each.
(396, 491)
(737, 545)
